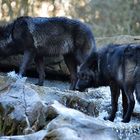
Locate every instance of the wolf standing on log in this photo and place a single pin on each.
(117, 66)
(39, 37)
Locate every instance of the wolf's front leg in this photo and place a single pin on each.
(115, 92)
(27, 57)
(41, 70)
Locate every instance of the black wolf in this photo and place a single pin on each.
(117, 66)
(39, 37)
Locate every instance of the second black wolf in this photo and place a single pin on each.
(39, 37)
(117, 66)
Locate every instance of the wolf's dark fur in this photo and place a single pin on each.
(39, 37)
(117, 66)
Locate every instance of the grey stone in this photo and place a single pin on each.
(54, 113)
(56, 65)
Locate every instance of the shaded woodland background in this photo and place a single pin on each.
(106, 17)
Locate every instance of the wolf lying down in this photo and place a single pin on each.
(39, 37)
(117, 66)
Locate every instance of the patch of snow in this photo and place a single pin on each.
(15, 76)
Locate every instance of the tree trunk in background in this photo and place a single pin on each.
(106, 18)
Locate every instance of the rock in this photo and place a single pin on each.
(55, 66)
(122, 39)
(70, 124)
(35, 136)
(21, 109)
(23, 106)
(77, 125)
(26, 109)
(48, 113)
